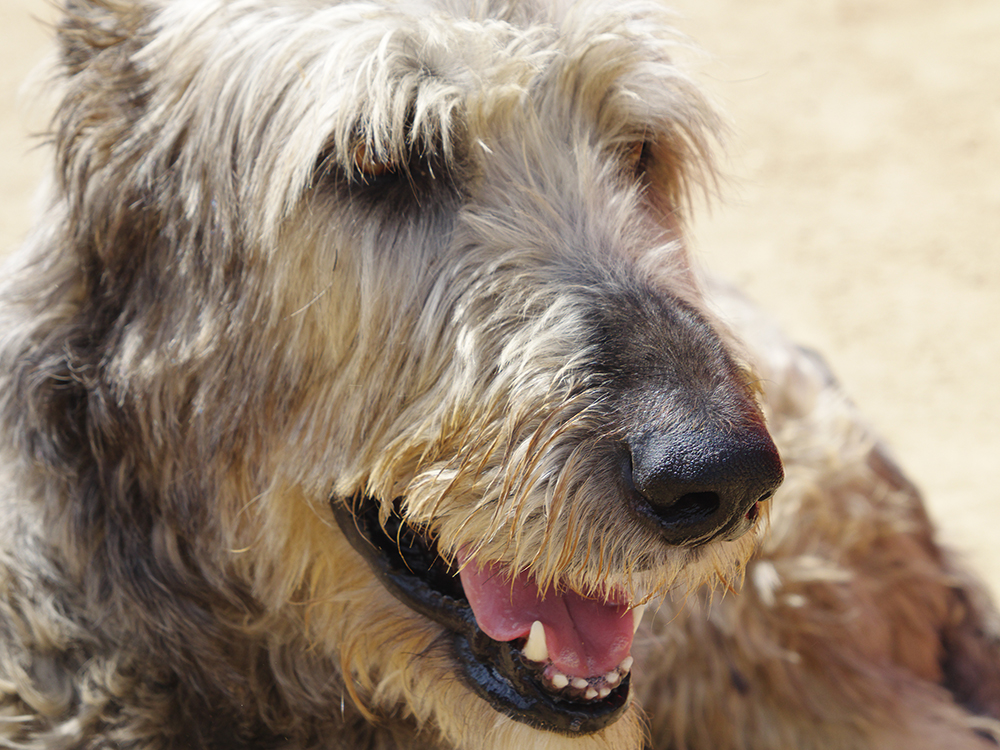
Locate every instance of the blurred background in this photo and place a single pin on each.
(861, 208)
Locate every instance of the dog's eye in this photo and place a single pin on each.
(635, 157)
(368, 166)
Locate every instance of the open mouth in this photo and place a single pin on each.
(557, 660)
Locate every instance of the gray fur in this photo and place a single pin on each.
(434, 254)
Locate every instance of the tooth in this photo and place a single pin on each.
(536, 649)
(637, 616)
(626, 664)
(604, 692)
(559, 680)
(579, 683)
(590, 694)
(613, 677)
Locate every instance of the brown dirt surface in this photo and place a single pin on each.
(862, 209)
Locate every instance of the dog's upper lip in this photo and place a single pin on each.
(496, 670)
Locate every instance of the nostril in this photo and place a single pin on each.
(754, 513)
(692, 508)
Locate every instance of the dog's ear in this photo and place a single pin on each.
(105, 91)
(97, 28)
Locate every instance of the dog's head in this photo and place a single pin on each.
(583, 435)
(422, 275)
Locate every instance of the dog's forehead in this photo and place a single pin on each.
(286, 85)
(372, 62)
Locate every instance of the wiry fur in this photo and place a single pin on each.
(220, 323)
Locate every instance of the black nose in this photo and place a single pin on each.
(704, 483)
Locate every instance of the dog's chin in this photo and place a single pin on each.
(513, 675)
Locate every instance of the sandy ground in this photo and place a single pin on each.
(863, 210)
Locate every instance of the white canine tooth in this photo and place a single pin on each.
(590, 694)
(613, 677)
(637, 616)
(604, 692)
(559, 680)
(626, 664)
(536, 649)
(579, 683)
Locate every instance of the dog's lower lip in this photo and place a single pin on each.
(495, 670)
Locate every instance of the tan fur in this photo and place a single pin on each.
(225, 326)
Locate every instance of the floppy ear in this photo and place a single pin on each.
(105, 93)
(92, 29)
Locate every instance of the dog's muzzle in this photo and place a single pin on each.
(559, 660)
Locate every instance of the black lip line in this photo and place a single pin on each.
(493, 669)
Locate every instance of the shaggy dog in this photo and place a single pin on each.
(357, 392)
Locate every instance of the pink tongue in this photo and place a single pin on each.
(585, 637)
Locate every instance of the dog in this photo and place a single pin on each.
(358, 391)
